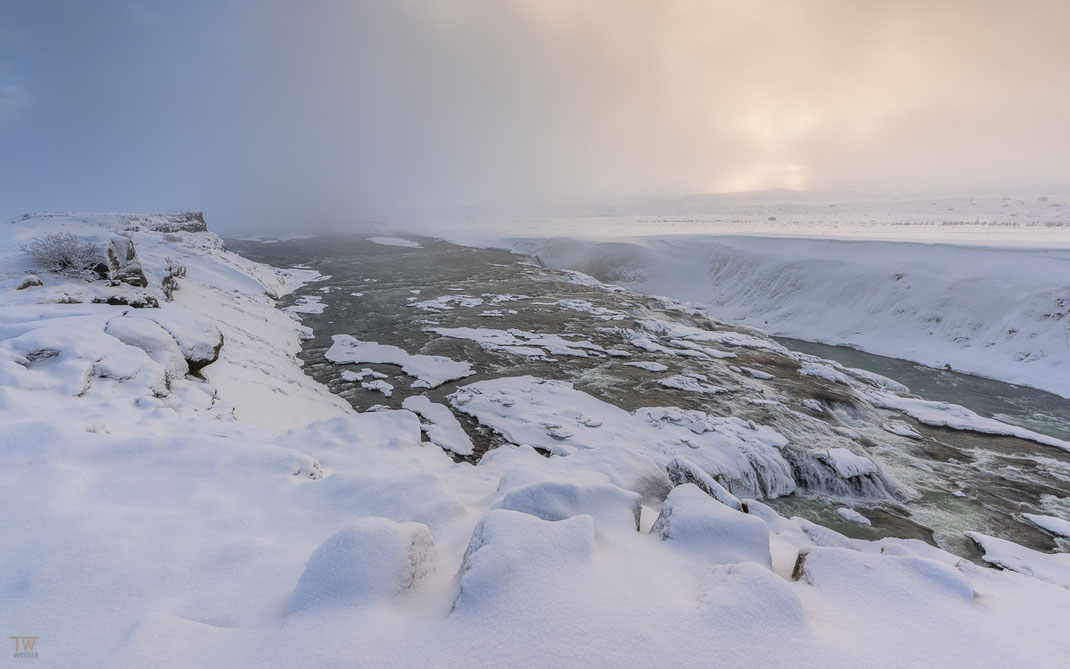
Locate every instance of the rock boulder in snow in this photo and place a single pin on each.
(198, 338)
(123, 263)
(29, 281)
(609, 505)
(510, 552)
(681, 471)
(372, 559)
(692, 519)
(154, 340)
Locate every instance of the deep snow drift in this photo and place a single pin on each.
(250, 518)
(1001, 312)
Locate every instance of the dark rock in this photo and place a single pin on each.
(27, 282)
(197, 363)
(800, 565)
(139, 301)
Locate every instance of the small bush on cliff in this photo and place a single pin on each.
(63, 253)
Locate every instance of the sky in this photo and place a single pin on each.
(271, 114)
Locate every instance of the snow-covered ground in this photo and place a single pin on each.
(250, 518)
(1024, 217)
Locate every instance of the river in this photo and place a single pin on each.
(956, 480)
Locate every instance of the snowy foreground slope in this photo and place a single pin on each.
(250, 518)
(1001, 312)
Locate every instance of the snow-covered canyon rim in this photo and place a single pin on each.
(176, 491)
(997, 311)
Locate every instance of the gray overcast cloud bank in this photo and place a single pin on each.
(273, 113)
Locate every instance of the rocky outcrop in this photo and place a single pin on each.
(198, 338)
(136, 300)
(682, 471)
(124, 265)
(182, 221)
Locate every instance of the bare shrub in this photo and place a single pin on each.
(172, 273)
(63, 253)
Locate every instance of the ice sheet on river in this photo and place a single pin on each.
(443, 429)
(430, 370)
(521, 342)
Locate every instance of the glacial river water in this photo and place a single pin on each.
(957, 480)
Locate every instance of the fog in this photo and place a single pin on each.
(277, 114)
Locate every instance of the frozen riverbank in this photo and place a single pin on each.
(999, 312)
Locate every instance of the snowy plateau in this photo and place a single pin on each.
(177, 491)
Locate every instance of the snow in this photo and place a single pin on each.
(251, 518)
(690, 384)
(610, 506)
(430, 371)
(1052, 568)
(443, 429)
(849, 464)
(198, 338)
(693, 520)
(351, 376)
(585, 306)
(852, 516)
(651, 346)
(873, 379)
(379, 386)
(307, 304)
(955, 417)
(680, 331)
(443, 303)
(900, 428)
(521, 342)
(395, 241)
(1057, 526)
(223, 297)
(648, 365)
(371, 559)
(681, 471)
(823, 371)
(757, 373)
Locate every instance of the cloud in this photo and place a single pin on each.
(336, 111)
